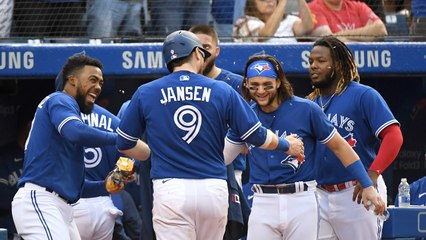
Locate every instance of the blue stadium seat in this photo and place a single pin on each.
(397, 26)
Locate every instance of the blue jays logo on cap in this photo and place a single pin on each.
(261, 68)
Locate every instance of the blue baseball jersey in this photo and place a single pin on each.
(50, 160)
(99, 161)
(232, 79)
(186, 117)
(123, 109)
(294, 116)
(359, 115)
(235, 81)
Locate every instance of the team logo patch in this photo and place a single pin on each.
(293, 162)
(351, 140)
(184, 78)
(261, 67)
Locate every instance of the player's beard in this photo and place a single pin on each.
(326, 82)
(208, 66)
(85, 107)
(272, 97)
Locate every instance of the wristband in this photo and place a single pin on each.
(358, 171)
(283, 144)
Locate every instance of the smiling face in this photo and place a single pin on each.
(263, 90)
(321, 67)
(88, 83)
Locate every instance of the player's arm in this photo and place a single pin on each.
(80, 133)
(353, 164)
(374, 29)
(140, 151)
(265, 139)
(392, 139)
(94, 189)
(290, 144)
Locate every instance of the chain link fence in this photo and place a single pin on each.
(152, 20)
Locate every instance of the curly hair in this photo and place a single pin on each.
(345, 70)
(284, 91)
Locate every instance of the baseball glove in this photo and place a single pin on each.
(122, 174)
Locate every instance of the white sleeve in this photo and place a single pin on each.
(231, 151)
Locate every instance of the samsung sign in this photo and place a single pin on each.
(46, 60)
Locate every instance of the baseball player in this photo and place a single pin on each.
(210, 41)
(53, 173)
(238, 211)
(363, 118)
(145, 189)
(186, 116)
(95, 213)
(279, 179)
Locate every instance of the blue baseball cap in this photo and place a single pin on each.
(261, 68)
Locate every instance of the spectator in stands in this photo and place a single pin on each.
(377, 6)
(266, 20)
(6, 13)
(114, 18)
(48, 18)
(172, 15)
(348, 20)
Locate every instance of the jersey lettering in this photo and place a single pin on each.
(190, 93)
(342, 122)
(189, 119)
(96, 120)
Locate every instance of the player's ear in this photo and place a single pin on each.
(278, 83)
(217, 52)
(72, 79)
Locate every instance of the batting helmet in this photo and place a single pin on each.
(180, 44)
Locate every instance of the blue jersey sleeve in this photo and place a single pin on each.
(132, 123)
(242, 119)
(80, 133)
(375, 109)
(123, 109)
(67, 120)
(94, 189)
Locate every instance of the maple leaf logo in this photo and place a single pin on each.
(351, 140)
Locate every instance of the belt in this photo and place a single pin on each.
(281, 189)
(32, 185)
(339, 186)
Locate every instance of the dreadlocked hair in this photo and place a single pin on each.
(345, 69)
(284, 91)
